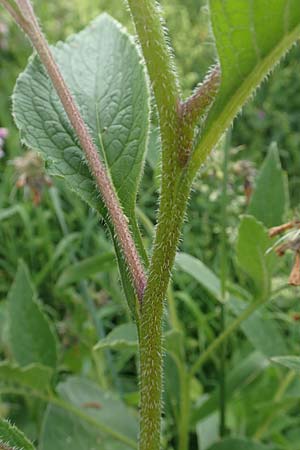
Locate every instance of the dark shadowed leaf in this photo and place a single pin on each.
(86, 268)
(31, 337)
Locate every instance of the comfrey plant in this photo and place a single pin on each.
(85, 105)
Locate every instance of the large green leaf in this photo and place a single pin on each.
(105, 422)
(103, 70)
(31, 337)
(13, 438)
(270, 197)
(252, 253)
(251, 36)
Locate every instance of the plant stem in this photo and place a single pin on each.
(277, 398)
(224, 272)
(172, 208)
(223, 336)
(183, 441)
(152, 36)
(28, 22)
(174, 194)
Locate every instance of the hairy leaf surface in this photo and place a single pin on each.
(13, 437)
(103, 70)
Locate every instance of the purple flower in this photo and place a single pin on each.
(3, 136)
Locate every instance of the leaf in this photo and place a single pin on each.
(13, 438)
(103, 70)
(269, 200)
(106, 422)
(154, 148)
(122, 336)
(239, 444)
(200, 272)
(262, 331)
(31, 337)
(34, 376)
(237, 378)
(252, 245)
(208, 431)
(251, 36)
(86, 268)
(292, 362)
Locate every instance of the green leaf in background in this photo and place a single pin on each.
(239, 444)
(35, 376)
(237, 378)
(13, 438)
(103, 70)
(31, 337)
(208, 431)
(86, 268)
(292, 362)
(154, 148)
(270, 199)
(252, 256)
(261, 330)
(106, 422)
(251, 35)
(199, 272)
(122, 336)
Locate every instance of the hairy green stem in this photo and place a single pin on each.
(147, 19)
(171, 215)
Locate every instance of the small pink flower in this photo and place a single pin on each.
(3, 133)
